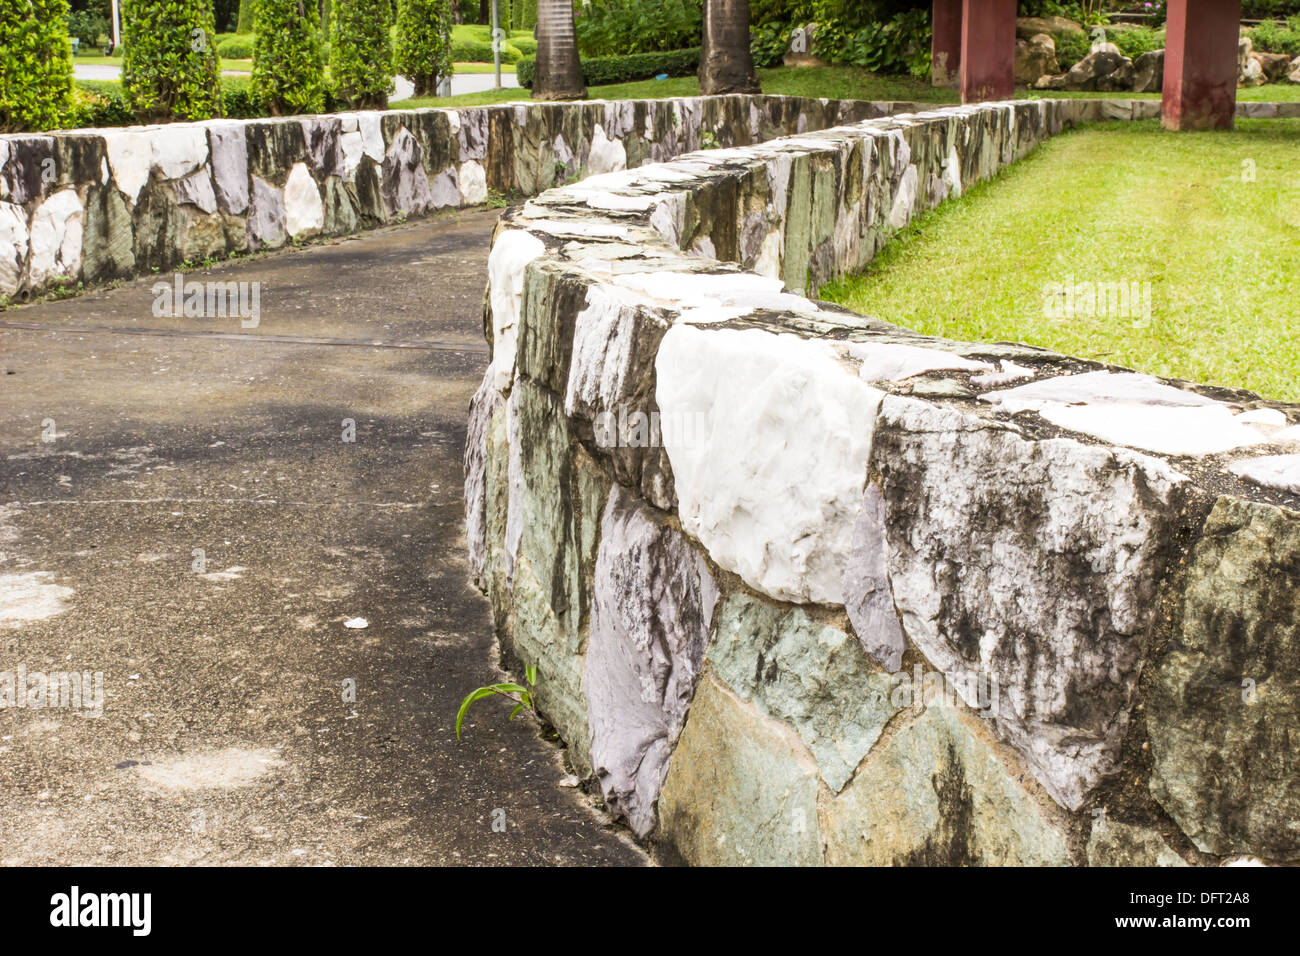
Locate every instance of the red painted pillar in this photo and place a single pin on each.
(988, 50)
(1200, 89)
(945, 43)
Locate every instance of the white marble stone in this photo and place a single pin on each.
(1095, 388)
(1280, 472)
(304, 212)
(511, 253)
(770, 473)
(353, 145)
(606, 154)
(372, 134)
(196, 190)
(13, 246)
(177, 151)
(1011, 372)
(472, 183)
(444, 189)
(130, 154)
(890, 362)
(56, 234)
(1164, 429)
(1268, 417)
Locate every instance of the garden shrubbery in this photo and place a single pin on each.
(237, 47)
(620, 27)
(423, 53)
(288, 63)
(361, 52)
(169, 70)
(604, 70)
(1272, 38)
(35, 65)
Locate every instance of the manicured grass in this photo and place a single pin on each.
(481, 68)
(1118, 202)
(834, 82)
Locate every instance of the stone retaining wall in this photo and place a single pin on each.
(98, 205)
(804, 587)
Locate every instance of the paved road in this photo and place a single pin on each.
(225, 735)
(460, 83)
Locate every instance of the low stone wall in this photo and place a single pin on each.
(93, 206)
(804, 587)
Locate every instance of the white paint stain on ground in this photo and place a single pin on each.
(225, 769)
(31, 597)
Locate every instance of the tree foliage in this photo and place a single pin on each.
(170, 69)
(361, 52)
(288, 58)
(423, 52)
(35, 64)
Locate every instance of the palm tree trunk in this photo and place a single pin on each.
(559, 72)
(726, 64)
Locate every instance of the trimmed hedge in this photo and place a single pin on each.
(480, 51)
(169, 70)
(237, 47)
(361, 52)
(101, 103)
(35, 65)
(423, 50)
(604, 70)
(288, 63)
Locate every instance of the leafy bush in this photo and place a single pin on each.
(1269, 9)
(1269, 37)
(35, 65)
(768, 43)
(98, 103)
(525, 43)
(423, 52)
(361, 51)
(622, 27)
(1071, 48)
(237, 47)
(88, 26)
(604, 70)
(480, 51)
(169, 71)
(901, 45)
(1133, 43)
(764, 13)
(247, 13)
(288, 64)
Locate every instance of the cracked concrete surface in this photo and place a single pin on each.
(226, 737)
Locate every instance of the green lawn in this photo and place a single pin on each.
(834, 82)
(1118, 202)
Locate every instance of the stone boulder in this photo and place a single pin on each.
(798, 51)
(1029, 27)
(1035, 57)
(1149, 72)
(1274, 66)
(1093, 72)
(1294, 75)
(1249, 72)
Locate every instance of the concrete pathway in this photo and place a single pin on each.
(199, 531)
(460, 83)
